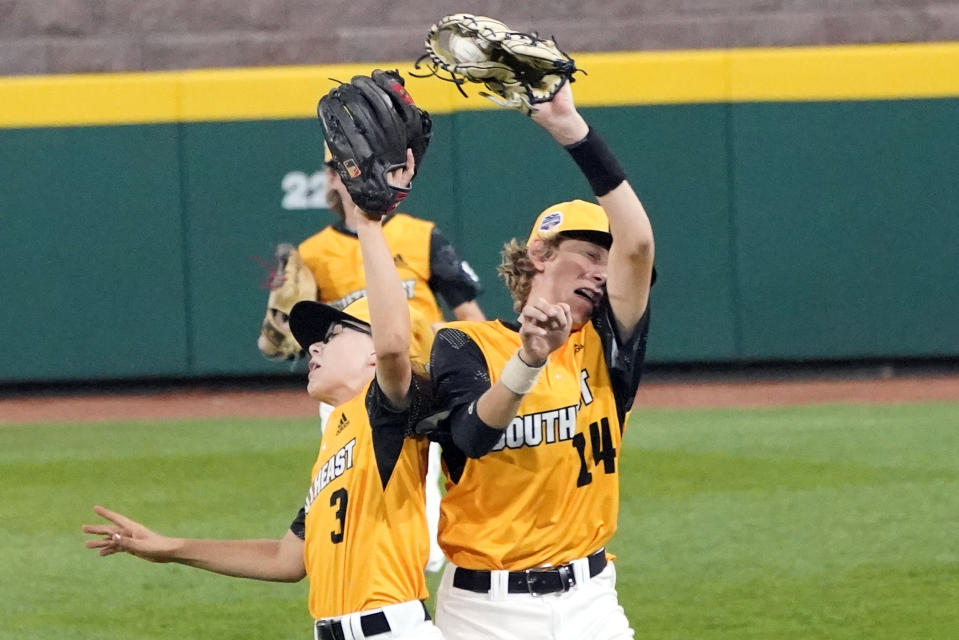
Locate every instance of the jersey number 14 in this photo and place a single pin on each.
(601, 443)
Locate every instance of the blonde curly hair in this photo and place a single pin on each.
(516, 268)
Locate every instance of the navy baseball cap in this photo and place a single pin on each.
(311, 321)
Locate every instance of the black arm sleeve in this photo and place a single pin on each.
(450, 276)
(460, 376)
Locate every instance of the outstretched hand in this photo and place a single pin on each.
(544, 327)
(126, 535)
(560, 118)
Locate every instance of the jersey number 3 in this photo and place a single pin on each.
(601, 441)
(339, 499)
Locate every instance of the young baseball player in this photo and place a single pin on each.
(361, 537)
(430, 268)
(537, 412)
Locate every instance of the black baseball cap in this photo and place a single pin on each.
(311, 321)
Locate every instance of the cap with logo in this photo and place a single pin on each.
(573, 219)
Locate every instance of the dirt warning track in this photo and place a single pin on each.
(293, 402)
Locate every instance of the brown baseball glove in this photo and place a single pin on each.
(291, 282)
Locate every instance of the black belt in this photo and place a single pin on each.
(371, 623)
(535, 582)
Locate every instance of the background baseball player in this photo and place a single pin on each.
(361, 536)
(537, 411)
(428, 263)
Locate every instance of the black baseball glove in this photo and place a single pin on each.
(369, 123)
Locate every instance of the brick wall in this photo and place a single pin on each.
(75, 36)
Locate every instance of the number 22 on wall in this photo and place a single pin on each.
(304, 191)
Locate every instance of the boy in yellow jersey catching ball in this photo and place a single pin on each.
(537, 412)
(364, 521)
(430, 268)
(361, 537)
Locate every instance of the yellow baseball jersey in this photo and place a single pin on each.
(547, 491)
(423, 258)
(366, 541)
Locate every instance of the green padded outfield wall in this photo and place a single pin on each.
(804, 203)
(847, 228)
(91, 253)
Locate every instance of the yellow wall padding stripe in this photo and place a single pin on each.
(898, 71)
(845, 73)
(288, 92)
(88, 99)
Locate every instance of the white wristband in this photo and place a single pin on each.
(519, 377)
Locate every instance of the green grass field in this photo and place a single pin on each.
(815, 522)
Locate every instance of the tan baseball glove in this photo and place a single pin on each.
(291, 282)
(519, 69)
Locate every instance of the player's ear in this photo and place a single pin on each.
(538, 252)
